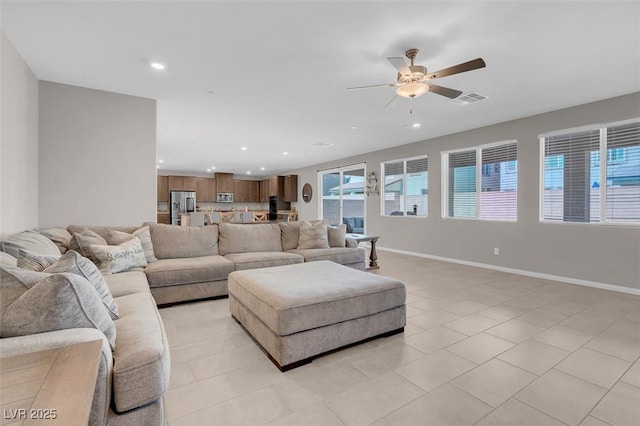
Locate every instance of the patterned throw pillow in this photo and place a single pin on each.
(72, 262)
(117, 237)
(35, 262)
(120, 258)
(337, 235)
(57, 302)
(313, 235)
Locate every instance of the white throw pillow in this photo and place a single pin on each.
(118, 237)
(30, 241)
(84, 240)
(313, 236)
(337, 235)
(120, 258)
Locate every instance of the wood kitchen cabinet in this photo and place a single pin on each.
(246, 191)
(182, 183)
(224, 182)
(205, 190)
(264, 191)
(290, 188)
(164, 218)
(163, 189)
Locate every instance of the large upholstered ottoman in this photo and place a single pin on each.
(297, 312)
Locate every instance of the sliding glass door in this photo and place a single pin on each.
(343, 197)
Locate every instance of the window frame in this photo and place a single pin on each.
(381, 186)
(444, 165)
(602, 128)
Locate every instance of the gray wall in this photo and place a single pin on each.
(597, 253)
(97, 157)
(18, 143)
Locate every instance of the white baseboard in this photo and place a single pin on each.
(569, 280)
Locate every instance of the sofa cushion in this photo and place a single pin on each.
(141, 358)
(237, 238)
(290, 234)
(14, 282)
(123, 257)
(35, 262)
(336, 235)
(171, 241)
(82, 242)
(169, 272)
(127, 283)
(100, 230)
(7, 260)
(72, 262)
(263, 259)
(57, 302)
(341, 255)
(60, 237)
(115, 237)
(313, 236)
(30, 241)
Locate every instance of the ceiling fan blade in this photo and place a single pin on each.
(400, 65)
(444, 91)
(456, 69)
(373, 85)
(392, 102)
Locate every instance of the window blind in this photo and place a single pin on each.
(462, 184)
(499, 184)
(405, 187)
(623, 173)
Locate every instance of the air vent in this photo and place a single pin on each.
(468, 98)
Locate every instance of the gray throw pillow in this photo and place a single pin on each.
(72, 262)
(120, 258)
(57, 302)
(14, 282)
(117, 237)
(313, 235)
(35, 262)
(337, 235)
(60, 237)
(7, 260)
(85, 239)
(30, 241)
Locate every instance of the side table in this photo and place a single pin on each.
(373, 256)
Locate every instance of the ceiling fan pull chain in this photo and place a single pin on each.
(411, 105)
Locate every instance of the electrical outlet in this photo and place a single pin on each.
(496, 251)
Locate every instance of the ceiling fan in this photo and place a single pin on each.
(412, 80)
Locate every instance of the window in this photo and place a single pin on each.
(487, 192)
(405, 187)
(578, 187)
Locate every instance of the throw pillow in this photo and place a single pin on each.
(337, 235)
(57, 302)
(117, 237)
(72, 262)
(313, 235)
(84, 241)
(60, 237)
(123, 257)
(7, 260)
(35, 262)
(31, 241)
(14, 282)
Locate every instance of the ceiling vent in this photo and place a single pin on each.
(468, 98)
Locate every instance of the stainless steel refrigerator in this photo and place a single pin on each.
(181, 202)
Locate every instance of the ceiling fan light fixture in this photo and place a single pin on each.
(412, 90)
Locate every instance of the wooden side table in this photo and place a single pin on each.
(50, 387)
(373, 256)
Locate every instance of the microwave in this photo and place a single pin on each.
(224, 197)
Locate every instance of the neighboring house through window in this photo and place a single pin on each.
(405, 183)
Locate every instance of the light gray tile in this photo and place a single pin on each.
(434, 339)
(515, 330)
(436, 369)
(535, 357)
(563, 337)
(595, 367)
(515, 413)
(620, 406)
(385, 358)
(481, 347)
(471, 324)
(626, 348)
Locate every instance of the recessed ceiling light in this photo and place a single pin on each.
(157, 167)
(285, 153)
(244, 148)
(208, 170)
(158, 66)
(261, 168)
(213, 167)
(354, 128)
(160, 161)
(324, 144)
(416, 125)
(248, 172)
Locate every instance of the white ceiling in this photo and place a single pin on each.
(278, 70)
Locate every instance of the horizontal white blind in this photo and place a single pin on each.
(393, 187)
(405, 187)
(417, 183)
(623, 173)
(498, 197)
(571, 175)
(462, 184)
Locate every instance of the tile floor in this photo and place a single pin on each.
(481, 347)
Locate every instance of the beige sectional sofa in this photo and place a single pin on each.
(192, 263)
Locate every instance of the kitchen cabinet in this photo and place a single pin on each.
(290, 188)
(163, 189)
(164, 218)
(205, 190)
(264, 191)
(224, 182)
(182, 183)
(246, 191)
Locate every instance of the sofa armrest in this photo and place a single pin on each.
(56, 339)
